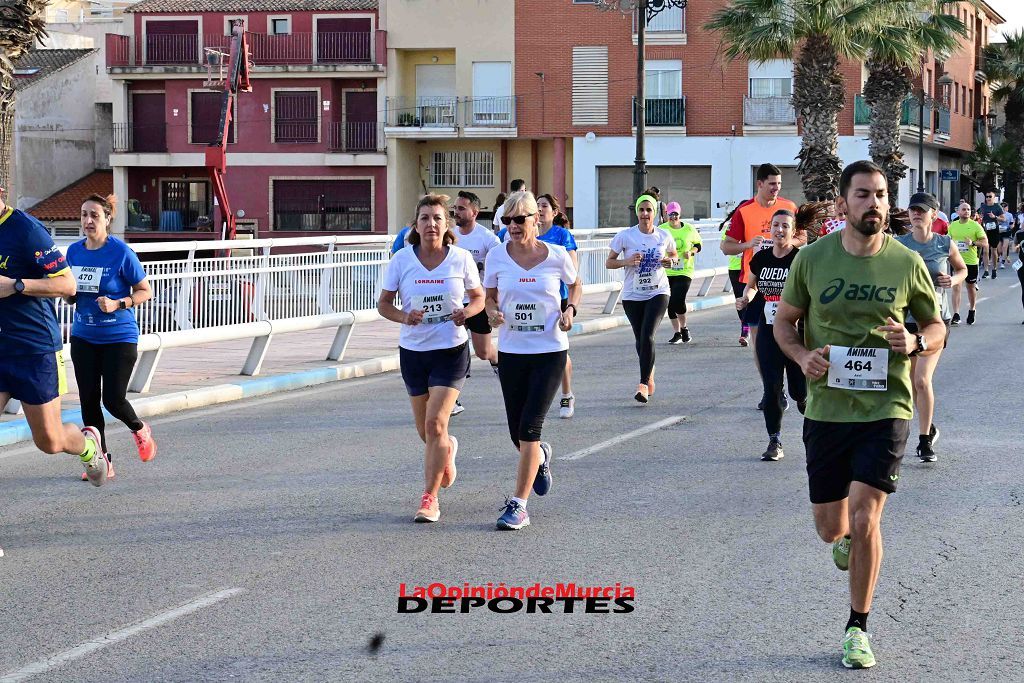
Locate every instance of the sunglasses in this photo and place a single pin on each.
(507, 220)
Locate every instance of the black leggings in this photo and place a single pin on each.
(1020, 276)
(680, 286)
(108, 366)
(737, 287)
(775, 364)
(528, 384)
(645, 316)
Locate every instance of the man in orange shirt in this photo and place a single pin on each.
(750, 231)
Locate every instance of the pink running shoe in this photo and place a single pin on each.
(429, 510)
(145, 443)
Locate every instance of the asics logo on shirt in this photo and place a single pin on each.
(856, 292)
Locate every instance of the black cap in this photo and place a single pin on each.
(924, 200)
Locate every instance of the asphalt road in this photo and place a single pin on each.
(268, 539)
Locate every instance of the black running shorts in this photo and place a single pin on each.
(437, 368)
(478, 324)
(839, 453)
(972, 273)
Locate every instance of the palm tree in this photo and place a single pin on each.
(21, 23)
(987, 163)
(897, 50)
(1003, 63)
(820, 33)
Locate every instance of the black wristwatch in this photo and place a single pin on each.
(575, 312)
(122, 305)
(920, 347)
(19, 286)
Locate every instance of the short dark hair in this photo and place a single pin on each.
(766, 170)
(471, 198)
(517, 185)
(861, 167)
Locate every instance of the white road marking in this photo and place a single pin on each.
(99, 642)
(984, 298)
(667, 422)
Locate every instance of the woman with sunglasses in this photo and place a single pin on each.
(646, 251)
(523, 277)
(432, 277)
(688, 243)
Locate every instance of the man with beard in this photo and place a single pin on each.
(851, 289)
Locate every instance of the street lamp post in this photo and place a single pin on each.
(645, 11)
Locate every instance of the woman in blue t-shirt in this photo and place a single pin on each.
(105, 335)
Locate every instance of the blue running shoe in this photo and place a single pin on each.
(515, 516)
(542, 482)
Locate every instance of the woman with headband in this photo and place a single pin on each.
(645, 252)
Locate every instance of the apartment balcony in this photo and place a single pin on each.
(663, 115)
(442, 116)
(140, 138)
(169, 215)
(942, 122)
(770, 114)
(191, 53)
(910, 117)
(355, 137)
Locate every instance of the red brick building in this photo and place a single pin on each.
(710, 121)
(306, 149)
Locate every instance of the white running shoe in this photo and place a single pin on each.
(96, 469)
(567, 407)
(457, 408)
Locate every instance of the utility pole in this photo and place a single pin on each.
(640, 105)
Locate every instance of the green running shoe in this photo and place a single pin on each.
(857, 652)
(841, 553)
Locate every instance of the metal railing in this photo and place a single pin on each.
(355, 136)
(767, 111)
(490, 112)
(190, 49)
(422, 112)
(942, 121)
(213, 291)
(663, 111)
(129, 137)
(909, 113)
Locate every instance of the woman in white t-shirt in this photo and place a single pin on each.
(646, 251)
(433, 278)
(522, 277)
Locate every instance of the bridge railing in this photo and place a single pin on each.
(209, 291)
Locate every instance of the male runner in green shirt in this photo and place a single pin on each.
(851, 288)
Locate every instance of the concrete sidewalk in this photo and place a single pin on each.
(203, 375)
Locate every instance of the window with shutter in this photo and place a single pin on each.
(296, 116)
(329, 205)
(204, 118)
(589, 85)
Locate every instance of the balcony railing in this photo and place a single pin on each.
(942, 123)
(663, 111)
(150, 137)
(909, 113)
(490, 112)
(768, 111)
(422, 112)
(264, 49)
(355, 136)
(671, 20)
